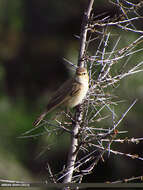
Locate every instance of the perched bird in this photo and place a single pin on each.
(70, 94)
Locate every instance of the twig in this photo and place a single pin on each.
(83, 34)
(78, 115)
(140, 178)
(51, 174)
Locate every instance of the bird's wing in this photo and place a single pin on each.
(76, 87)
(63, 94)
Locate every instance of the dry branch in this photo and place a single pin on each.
(108, 63)
(78, 115)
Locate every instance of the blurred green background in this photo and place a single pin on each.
(35, 36)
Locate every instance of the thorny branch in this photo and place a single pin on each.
(78, 115)
(83, 34)
(109, 60)
(97, 100)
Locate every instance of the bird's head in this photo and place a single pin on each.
(82, 75)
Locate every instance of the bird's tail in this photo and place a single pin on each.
(39, 119)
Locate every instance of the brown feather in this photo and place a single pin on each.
(61, 96)
(70, 93)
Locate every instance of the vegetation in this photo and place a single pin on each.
(110, 128)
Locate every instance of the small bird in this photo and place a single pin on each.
(70, 94)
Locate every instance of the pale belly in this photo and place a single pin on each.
(77, 99)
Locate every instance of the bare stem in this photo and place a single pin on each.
(78, 115)
(83, 34)
(73, 148)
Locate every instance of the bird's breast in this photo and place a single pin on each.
(78, 97)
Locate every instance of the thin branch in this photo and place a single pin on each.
(78, 115)
(140, 178)
(83, 34)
